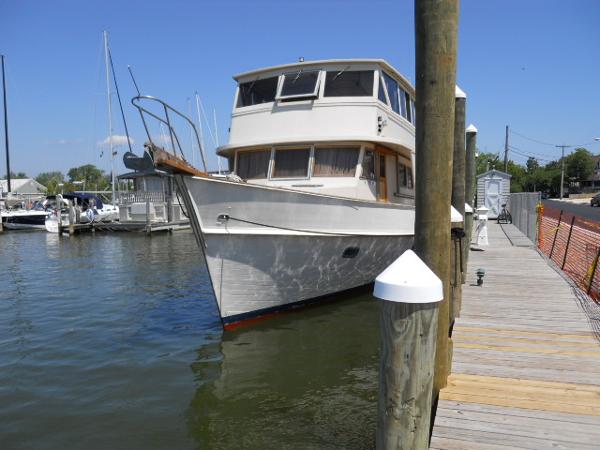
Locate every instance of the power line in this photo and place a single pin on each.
(548, 143)
(541, 156)
(531, 139)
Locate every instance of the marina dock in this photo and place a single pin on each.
(526, 359)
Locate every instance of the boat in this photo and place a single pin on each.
(87, 208)
(321, 196)
(24, 219)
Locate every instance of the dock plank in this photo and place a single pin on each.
(526, 363)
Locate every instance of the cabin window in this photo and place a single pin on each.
(392, 90)
(253, 164)
(405, 180)
(349, 83)
(381, 94)
(300, 84)
(257, 91)
(408, 107)
(401, 99)
(292, 163)
(368, 165)
(335, 162)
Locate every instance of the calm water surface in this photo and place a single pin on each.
(113, 341)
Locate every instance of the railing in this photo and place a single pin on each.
(166, 120)
(573, 244)
(127, 198)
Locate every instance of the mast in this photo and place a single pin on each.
(110, 128)
(6, 126)
(217, 138)
(198, 108)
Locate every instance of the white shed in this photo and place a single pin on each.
(493, 190)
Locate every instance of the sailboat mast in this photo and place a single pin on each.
(5, 125)
(217, 138)
(110, 128)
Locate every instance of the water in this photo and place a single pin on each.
(113, 341)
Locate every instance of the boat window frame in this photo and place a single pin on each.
(341, 146)
(308, 96)
(254, 150)
(348, 69)
(239, 91)
(409, 188)
(310, 161)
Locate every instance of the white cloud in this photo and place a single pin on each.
(116, 141)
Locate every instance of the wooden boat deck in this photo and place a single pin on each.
(526, 364)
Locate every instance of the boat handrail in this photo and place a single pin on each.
(135, 101)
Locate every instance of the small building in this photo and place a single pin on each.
(493, 190)
(592, 184)
(23, 190)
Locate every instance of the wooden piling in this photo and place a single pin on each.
(436, 24)
(458, 199)
(471, 144)
(405, 388)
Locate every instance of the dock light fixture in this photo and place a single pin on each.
(480, 274)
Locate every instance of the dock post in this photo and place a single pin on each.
(72, 219)
(436, 30)
(471, 144)
(458, 200)
(148, 225)
(1, 226)
(408, 328)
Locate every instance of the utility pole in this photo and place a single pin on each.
(6, 126)
(562, 168)
(506, 151)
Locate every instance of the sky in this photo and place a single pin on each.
(532, 65)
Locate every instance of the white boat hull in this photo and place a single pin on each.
(269, 249)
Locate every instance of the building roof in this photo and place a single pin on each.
(494, 172)
(22, 186)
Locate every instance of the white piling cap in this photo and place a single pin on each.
(455, 216)
(482, 210)
(408, 280)
(459, 93)
(471, 129)
(468, 208)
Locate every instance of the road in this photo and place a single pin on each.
(581, 210)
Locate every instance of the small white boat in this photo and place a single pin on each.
(321, 196)
(24, 219)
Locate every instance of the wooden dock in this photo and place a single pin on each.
(526, 364)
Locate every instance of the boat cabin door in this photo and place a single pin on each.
(381, 178)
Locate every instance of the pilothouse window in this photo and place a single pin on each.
(335, 162)
(300, 84)
(253, 164)
(392, 90)
(358, 83)
(257, 91)
(291, 163)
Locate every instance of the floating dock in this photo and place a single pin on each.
(526, 359)
(131, 226)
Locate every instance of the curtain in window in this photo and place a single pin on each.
(335, 162)
(291, 163)
(254, 164)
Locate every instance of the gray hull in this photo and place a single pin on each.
(268, 248)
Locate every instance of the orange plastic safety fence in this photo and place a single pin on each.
(573, 243)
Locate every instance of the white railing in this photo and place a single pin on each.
(128, 198)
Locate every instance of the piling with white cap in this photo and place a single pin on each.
(409, 312)
(482, 229)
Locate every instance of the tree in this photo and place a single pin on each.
(51, 180)
(94, 178)
(485, 162)
(518, 176)
(579, 165)
(16, 175)
(532, 165)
